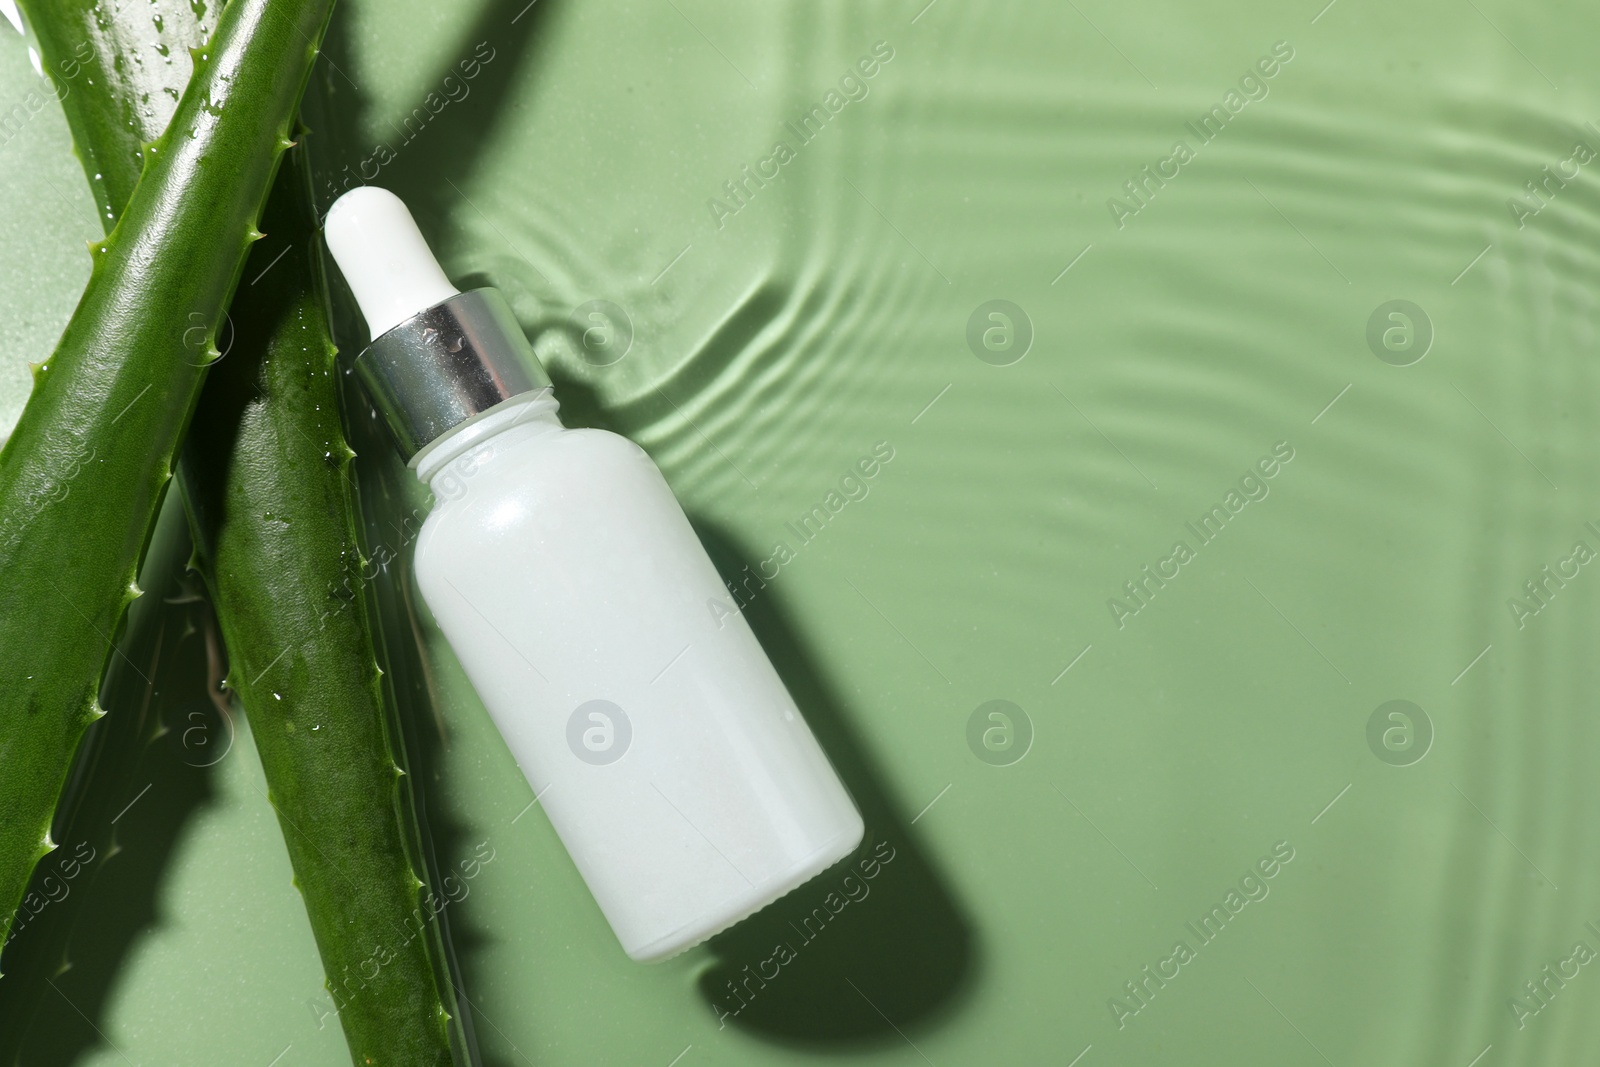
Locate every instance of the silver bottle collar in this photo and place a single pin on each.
(445, 365)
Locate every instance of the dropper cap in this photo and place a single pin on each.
(438, 356)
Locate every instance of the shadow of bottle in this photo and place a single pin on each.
(873, 946)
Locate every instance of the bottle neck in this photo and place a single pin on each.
(526, 415)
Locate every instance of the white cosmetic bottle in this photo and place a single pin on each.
(649, 722)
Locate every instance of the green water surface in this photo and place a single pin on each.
(1195, 502)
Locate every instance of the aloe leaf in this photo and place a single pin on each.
(119, 79)
(84, 471)
(265, 476)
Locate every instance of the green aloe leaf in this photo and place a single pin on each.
(84, 471)
(266, 480)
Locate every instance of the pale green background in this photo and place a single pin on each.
(823, 318)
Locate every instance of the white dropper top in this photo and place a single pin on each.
(384, 257)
